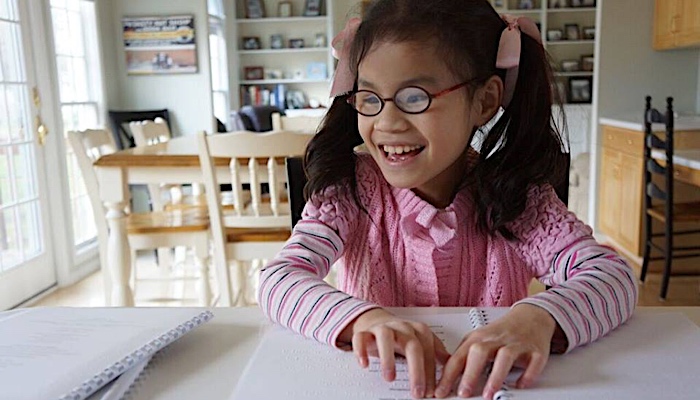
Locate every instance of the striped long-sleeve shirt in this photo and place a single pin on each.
(402, 251)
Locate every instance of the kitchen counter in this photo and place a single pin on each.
(636, 123)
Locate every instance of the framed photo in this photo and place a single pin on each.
(296, 99)
(572, 32)
(570, 65)
(276, 41)
(253, 73)
(254, 9)
(580, 90)
(312, 8)
(316, 70)
(587, 62)
(320, 40)
(588, 32)
(526, 4)
(160, 45)
(296, 43)
(556, 4)
(251, 43)
(554, 35)
(284, 9)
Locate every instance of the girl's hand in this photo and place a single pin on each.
(379, 333)
(521, 338)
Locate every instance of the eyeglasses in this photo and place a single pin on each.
(411, 100)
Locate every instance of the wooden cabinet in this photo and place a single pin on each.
(621, 196)
(621, 187)
(676, 24)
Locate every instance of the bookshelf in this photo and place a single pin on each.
(572, 57)
(276, 58)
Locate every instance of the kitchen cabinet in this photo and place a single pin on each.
(676, 24)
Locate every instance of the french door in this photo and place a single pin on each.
(27, 265)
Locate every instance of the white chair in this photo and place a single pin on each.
(257, 230)
(295, 124)
(145, 230)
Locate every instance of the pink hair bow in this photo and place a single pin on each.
(509, 50)
(344, 79)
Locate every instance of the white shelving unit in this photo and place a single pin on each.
(282, 67)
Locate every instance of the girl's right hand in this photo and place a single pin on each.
(381, 334)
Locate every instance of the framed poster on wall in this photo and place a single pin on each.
(160, 45)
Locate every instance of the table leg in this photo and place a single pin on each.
(118, 255)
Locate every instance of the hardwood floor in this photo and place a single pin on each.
(153, 290)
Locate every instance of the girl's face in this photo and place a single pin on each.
(424, 152)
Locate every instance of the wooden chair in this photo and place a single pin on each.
(295, 124)
(666, 211)
(145, 230)
(258, 230)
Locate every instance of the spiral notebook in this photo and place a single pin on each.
(70, 353)
(652, 356)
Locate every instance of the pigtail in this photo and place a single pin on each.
(523, 148)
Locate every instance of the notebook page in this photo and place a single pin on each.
(305, 369)
(652, 356)
(46, 353)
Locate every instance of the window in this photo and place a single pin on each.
(79, 83)
(219, 63)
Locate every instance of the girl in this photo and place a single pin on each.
(425, 220)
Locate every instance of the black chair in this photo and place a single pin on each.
(296, 180)
(122, 136)
(258, 118)
(665, 210)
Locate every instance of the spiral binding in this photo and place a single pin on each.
(112, 372)
(478, 318)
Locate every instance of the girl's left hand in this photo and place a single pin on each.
(521, 338)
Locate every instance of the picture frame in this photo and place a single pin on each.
(296, 43)
(284, 9)
(556, 4)
(316, 70)
(312, 8)
(570, 65)
(572, 32)
(276, 41)
(580, 89)
(526, 4)
(253, 73)
(554, 35)
(587, 62)
(254, 9)
(588, 32)
(320, 40)
(251, 43)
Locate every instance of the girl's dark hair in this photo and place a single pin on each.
(522, 149)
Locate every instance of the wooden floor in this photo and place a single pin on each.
(153, 291)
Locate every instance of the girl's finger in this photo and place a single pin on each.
(413, 350)
(505, 357)
(452, 370)
(360, 342)
(441, 353)
(425, 335)
(533, 370)
(479, 355)
(384, 339)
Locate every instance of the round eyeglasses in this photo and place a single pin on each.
(410, 99)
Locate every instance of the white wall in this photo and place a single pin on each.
(186, 96)
(629, 67)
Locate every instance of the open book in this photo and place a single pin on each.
(70, 353)
(653, 356)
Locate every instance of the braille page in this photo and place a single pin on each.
(289, 366)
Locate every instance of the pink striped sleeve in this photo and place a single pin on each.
(593, 289)
(292, 291)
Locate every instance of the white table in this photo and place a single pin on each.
(208, 362)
